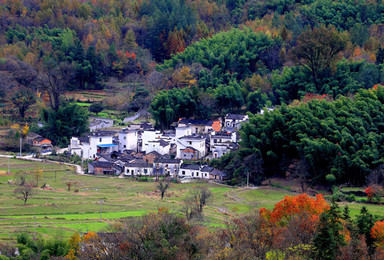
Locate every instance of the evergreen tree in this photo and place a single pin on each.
(328, 238)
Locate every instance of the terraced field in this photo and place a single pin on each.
(56, 211)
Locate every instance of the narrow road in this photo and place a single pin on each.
(30, 158)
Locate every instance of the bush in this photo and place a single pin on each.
(330, 178)
(351, 198)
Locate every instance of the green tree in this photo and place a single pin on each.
(328, 238)
(23, 98)
(96, 108)
(365, 222)
(70, 120)
(317, 50)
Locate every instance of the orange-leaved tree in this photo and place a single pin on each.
(377, 233)
(295, 205)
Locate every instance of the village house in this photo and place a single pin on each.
(97, 142)
(96, 123)
(195, 171)
(79, 146)
(138, 169)
(235, 120)
(196, 142)
(30, 136)
(160, 146)
(200, 126)
(222, 143)
(164, 166)
(104, 168)
(42, 142)
(190, 153)
(128, 140)
(205, 171)
(147, 136)
(217, 175)
(190, 170)
(151, 157)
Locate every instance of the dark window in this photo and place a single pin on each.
(183, 172)
(100, 139)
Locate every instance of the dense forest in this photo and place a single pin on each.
(315, 61)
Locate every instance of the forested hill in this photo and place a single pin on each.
(203, 58)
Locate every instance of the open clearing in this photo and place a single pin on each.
(58, 211)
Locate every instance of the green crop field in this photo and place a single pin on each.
(57, 211)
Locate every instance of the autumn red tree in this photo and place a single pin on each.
(377, 233)
(294, 205)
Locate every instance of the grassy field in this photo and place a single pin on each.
(57, 211)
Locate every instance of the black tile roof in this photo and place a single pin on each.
(154, 153)
(139, 165)
(207, 169)
(235, 116)
(196, 122)
(103, 133)
(190, 166)
(102, 164)
(165, 160)
(217, 172)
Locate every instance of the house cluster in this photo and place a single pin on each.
(141, 150)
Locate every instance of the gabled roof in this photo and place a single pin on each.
(200, 122)
(189, 147)
(103, 133)
(163, 143)
(156, 154)
(190, 167)
(235, 116)
(218, 173)
(99, 164)
(193, 137)
(126, 158)
(32, 135)
(139, 165)
(207, 169)
(164, 160)
(84, 139)
(146, 125)
(39, 139)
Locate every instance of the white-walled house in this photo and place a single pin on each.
(160, 146)
(182, 131)
(235, 120)
(205, 171)
(101, 142)
(195, 141)
(147, 136)
(222, 143)
(138, 169)
(190, 170)
(128, 140)
(79, 146)
(164, 166)
(195, 171)
(200, 126)
(222, 137)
